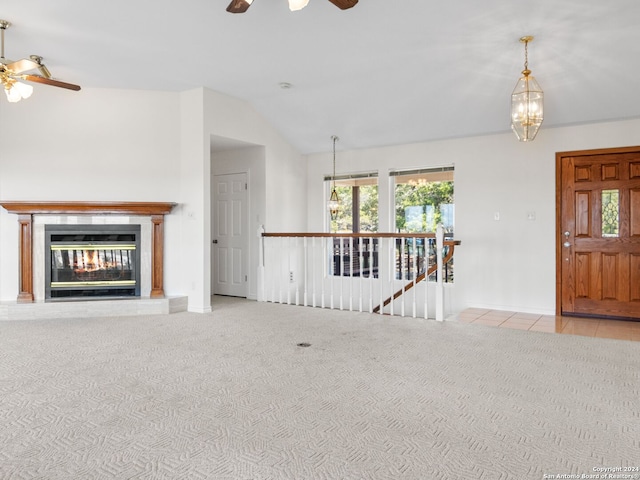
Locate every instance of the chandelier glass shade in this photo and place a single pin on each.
(333, 203)
(527, 102)
(15, 90)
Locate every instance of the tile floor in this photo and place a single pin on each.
(590, 327)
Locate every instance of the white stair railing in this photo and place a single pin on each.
(374, 272)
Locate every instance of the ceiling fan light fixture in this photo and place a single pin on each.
(295, 5)
(16, 91)
(11, 72)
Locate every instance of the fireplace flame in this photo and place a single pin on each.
(92, 261)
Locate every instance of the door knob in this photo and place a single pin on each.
(567, 234)
(566, 244)
(215, 241)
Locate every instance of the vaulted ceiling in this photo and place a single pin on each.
(384, 72)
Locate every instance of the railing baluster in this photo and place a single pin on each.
(370, 263)
(269, 268)
(415, 275)
(381, 278)
(360, 273)
(351, 274)
(284, 284)
(440, 280)
(334, 270)
(427, 266)
(275, 269)
(341, 270)
(296, 278)
(403, 253)
(286, 279)
(312, 272)
(392, 276)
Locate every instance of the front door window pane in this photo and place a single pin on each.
(610, 213)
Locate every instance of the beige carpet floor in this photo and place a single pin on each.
(231, 395)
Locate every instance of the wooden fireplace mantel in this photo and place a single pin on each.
(26, 210)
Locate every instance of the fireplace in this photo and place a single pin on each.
(84, 261)
(27, 210)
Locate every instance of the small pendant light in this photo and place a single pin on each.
(333, 202)
(527, 102)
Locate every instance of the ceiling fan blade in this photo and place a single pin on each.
(344, 4)
(20, 66)
(50, 81)
(239, 6)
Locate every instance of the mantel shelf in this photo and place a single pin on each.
(65, 208)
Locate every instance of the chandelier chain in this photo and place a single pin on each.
(334, 138)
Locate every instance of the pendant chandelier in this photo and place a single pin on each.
(527, 101)
(334, 203)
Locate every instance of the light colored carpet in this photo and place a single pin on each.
(230, 395)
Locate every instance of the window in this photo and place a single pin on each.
(358, 196)
(610, 213)
(423, 199)
(357, 213)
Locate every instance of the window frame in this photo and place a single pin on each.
(438, 174)
(360, 179)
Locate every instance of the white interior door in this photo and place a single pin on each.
(229, 235)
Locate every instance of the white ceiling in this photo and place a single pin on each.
(384, 72)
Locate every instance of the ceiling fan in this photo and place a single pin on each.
(241, 6)
(11, 72)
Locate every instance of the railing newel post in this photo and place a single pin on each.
(262, 297)
(415, 274)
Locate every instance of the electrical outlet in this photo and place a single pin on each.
(496, 216)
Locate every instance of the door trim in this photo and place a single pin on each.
(559, 158)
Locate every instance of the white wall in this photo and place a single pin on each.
(284, 167)
(280, 189)
(506, 264)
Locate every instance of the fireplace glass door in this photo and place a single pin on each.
(92, 261)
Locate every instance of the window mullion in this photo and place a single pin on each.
(355, 213)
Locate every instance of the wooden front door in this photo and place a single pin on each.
(598, 232)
